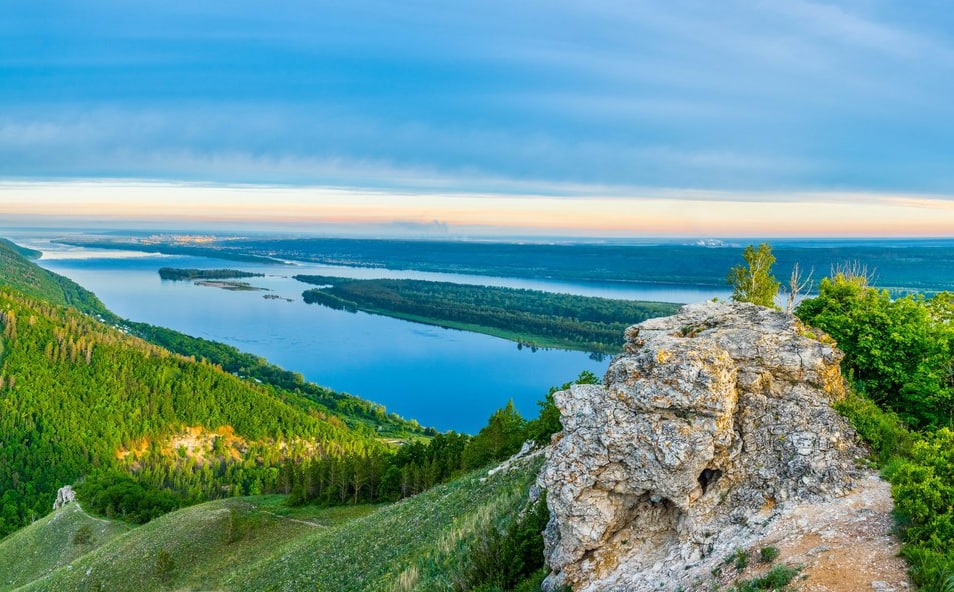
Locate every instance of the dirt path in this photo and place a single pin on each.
(84, 513)
(305, 522)
(845, 545)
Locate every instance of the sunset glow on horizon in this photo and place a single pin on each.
(793, 118)
(648, 214)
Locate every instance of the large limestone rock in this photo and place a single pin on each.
(705, 428)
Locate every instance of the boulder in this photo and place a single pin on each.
(64, 495)
(709, 423)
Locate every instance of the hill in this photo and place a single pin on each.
(82, 397)
(53, 542)
(21, 274)
(257, 543)
(76, 395)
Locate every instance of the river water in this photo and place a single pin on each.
(444, 378)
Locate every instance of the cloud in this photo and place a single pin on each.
(497, 96)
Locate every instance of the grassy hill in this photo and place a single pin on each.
(257, 543)
(53, 542)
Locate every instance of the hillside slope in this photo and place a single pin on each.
(52, 542)
(248, 544)
(76, 394)
(18, 272)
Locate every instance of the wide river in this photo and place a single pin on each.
(443, 378)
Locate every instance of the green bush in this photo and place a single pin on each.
(884, 431)
(768, 554)
(740, 559)
(897, 352)
(511, 559)
(776, 579)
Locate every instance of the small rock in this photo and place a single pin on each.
(65, 495)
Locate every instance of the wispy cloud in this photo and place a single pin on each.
(776, 97)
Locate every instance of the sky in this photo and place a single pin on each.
(603, 118)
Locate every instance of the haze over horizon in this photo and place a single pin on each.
(617, 119)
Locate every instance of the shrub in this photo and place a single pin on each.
(777, 579)
(740, 559)
(511, 559)
(83, 535)
(768, 554)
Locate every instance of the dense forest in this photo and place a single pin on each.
(78, 396)
(529, 317)
(356, 412)
(151, 429)
(32, 280)
(176, 274)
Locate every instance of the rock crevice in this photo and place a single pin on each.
(705, 425)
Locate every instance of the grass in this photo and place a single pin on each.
(421, 541)
(258, 543)
(776, 579)
(50, 543)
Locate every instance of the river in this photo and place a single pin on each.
(444, 378)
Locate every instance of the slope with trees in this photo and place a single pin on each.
(77, 396)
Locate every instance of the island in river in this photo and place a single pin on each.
(530, 317)
(177, 274)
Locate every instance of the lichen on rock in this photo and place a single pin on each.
(709, 422)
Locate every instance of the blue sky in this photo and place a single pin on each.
(611, 98)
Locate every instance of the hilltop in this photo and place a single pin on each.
(258, 543)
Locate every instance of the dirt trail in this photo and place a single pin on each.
(305, 522)
(846, 544)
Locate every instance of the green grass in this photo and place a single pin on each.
(776, 579)
(417, 544)
(258, 543)
(47, 544)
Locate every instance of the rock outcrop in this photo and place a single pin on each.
(64, 495)
(706, 427)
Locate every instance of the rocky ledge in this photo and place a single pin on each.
(709, 425)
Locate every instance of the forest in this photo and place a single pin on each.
(32, 280)
(899, 360)
(529, 317)
(77, 396)
(82, 395)
(177, 274)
